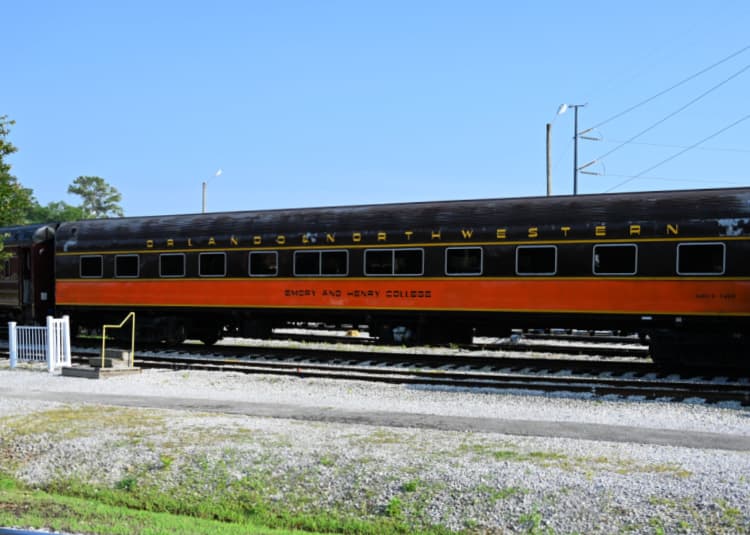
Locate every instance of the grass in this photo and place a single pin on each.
(549, 459)
(39, 509)
(236, 477)
(80, 508)
(495, 495)
(197, 480)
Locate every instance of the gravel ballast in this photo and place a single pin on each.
(475, 481)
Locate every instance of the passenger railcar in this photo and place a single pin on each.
(27, 283)
(671, 264)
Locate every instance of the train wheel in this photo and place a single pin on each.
(663, 348)
(396, 334)
(209, 338)
(175, 334)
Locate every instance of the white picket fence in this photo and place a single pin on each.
(40, 344)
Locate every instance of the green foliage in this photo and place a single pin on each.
(18, 205)
(127, 484)
(395, 509)
(15, 200)
(99, 198)
(532, 523)
(411, 486)
(54, 212)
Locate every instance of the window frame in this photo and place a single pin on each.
(464, 274)
(609, 274)
(393, 262)
(137, 266)
(184, 266)
(250, 264)
(320, 253)
(535, 274)
(101, 266)
(701, 274)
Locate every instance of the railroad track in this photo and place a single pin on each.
(564, 344)
(622, 380)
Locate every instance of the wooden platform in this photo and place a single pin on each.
(94, 372)
(116, 362)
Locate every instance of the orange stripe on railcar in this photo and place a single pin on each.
(606, 296)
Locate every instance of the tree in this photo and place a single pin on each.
(56, 211)
(99, 198)
(15, 200)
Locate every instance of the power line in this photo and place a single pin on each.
(667, 146)
(672, 179)
(675, 86)
(682, 108)
(746, 117)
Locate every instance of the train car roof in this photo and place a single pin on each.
(696, 203)
(21, 235)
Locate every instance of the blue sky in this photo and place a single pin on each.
(314, 103)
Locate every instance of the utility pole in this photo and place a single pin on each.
(576, 134)
(205, 183)
(549, 159)
(575, 145)
(203, 209)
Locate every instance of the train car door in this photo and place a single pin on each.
(42, 296)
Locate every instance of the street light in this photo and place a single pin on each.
(560, 111)
(217, 173)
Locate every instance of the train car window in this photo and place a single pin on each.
(408, 261)
(126, 266)
(306, 263)
(379, 262)
(536, 260)
(394, 262)
(91, 267)
(6, 269)
(334, 263)
(463, 261)
(212, 264)
(317, 263)
(615, 259)
(264, 264)
(700, 258)
(172, 265)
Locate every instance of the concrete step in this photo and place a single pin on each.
(113, 358)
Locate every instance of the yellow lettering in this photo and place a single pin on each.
(600, 231)
(501, 233)
(382, 236)
(408, 234)
(190, 242)
(673, 229)
(150, 244)
(330, 238)
(170, 242)
(281, 239)
(436, 235)
(635, 230)
(211, 241)
(357, 237)
(533, 232)
(565, 231)
(306, 238)
(467, 234)
(234, 241)
(257, 240)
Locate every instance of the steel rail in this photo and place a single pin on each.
(596, 386)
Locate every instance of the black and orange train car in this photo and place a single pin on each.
(674, 265)
(27, 286)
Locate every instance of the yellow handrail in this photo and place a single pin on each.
(132, 337)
